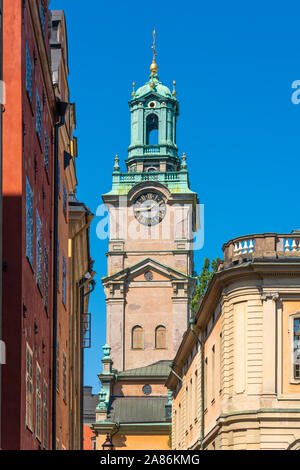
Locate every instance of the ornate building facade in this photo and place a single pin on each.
(236, 376)
(47, 270)
(150, 280)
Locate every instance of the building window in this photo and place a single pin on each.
(160, 337)
(57, 365)
(29, 222)
(213, 382)
(64, 378)
(46, 152)
(43, 18)
(196, 395)
(187, 411)
(38, 122)
(28, 74)
(64, 280)
(296, 347)
(137, 337)
(65, 199)
(191, 403)
(205, 383)
(45, 413)
(39, 250)
(220, 362)
(29, 387)
(46, 279)
(179, 425)
(38, 402)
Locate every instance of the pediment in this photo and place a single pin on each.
(136, 271)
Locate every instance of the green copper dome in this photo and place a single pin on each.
(154, 85)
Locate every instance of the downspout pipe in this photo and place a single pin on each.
(192, 327)
(83, 282)
(61, 108)
(175, 373)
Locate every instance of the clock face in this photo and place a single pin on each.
(149, 208)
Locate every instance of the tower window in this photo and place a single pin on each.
(160, 337)
(137, 337)
(152, 129)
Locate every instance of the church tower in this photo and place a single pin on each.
(153, 213)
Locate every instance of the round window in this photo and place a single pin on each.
(147, 389)
(152, 104)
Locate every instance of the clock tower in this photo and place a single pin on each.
(153, 214)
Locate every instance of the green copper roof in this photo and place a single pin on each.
(138, 409)
(154, 85)
(158, 369)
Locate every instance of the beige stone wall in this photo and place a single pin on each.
(131, 299)
(258, 403)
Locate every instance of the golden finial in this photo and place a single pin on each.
(153, 66)
(174, 90)
(133, 89)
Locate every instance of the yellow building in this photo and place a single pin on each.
(236, 375)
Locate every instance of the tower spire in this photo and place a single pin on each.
(153, 66)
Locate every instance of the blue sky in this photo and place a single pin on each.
(234, 63)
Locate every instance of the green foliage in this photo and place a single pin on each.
(207, 273)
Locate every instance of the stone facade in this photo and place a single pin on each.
(239, 358)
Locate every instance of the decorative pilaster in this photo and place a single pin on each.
(269, 300)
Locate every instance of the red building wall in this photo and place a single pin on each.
(25, 318)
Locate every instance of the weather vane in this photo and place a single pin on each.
(153, 66)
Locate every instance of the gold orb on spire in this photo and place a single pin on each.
(153, 66)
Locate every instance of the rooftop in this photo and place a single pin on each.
(158, 369)
(137, 410)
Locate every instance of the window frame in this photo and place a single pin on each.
(38, 118)
(166, 337)
(45, 414)
(39, 251)
(29, 75)
(29, 381)
(29, 222)
(292, 318)
(46, 151)
(38, 402)
(46, 275)
(64, 384)
(132, 333)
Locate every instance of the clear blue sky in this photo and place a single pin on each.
(234, 63)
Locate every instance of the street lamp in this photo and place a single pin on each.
(108, 445)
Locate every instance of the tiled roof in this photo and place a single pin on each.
(138, 410)
(158, 369)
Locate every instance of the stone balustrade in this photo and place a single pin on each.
(265, 245)
(152, 176)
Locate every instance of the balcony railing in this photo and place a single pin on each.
(171, 176)
(266, 245)
(152, 149)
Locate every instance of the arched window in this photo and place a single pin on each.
(152, 130)
(137, 337)
(161, 337)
